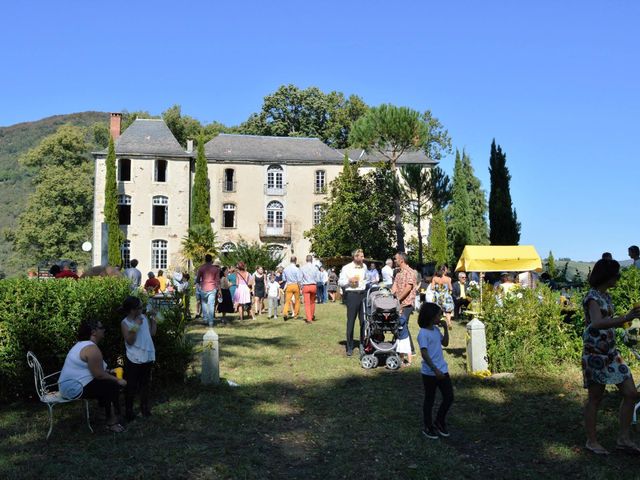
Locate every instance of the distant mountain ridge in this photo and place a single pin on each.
(16, 182)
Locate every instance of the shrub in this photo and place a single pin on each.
(43, 316)
(526, 331)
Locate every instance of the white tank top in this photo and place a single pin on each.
(75, 373)
(142, 350)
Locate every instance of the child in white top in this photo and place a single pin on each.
(273, 293)
(137, 331)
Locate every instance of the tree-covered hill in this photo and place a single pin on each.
(16, 180)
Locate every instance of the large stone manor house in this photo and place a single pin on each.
(266, 189)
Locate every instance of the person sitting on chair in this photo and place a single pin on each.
(85, 375)
(459, 294)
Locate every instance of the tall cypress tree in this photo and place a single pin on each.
(201, 198)
(505, 228)
(115, 235)
(477, 203)
(459, 217)
(438, 244)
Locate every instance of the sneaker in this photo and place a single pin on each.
(441, 428)
(430, 433)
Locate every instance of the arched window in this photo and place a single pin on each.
(320, 185)
(125, 253)
(275, 214)
(229, 215)
(229, 180)
(228, 247)
(158, 254)
(160, 210)
(317, 213)
(124, 170)
(275, 180)
(124, 209)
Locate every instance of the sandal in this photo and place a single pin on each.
(115, 428)
(597, 450)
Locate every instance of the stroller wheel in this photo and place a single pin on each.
(375, 361)
(369, 361)
(393, 362)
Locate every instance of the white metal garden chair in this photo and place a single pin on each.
(49, 392)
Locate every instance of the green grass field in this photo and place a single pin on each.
(304, 410)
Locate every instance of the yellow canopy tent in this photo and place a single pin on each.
(497, 258)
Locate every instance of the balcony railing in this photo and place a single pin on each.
(277, 230)
(273, 190)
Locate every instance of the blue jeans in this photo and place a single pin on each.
(209, 306)
(320, 292)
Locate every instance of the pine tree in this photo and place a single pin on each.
(115, 235)
(201, 198)
(459, 214)
(505, 228)
(438, 244)
(477, 203)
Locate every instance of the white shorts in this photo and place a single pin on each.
(404, 346)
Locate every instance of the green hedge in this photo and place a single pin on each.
(43, 316)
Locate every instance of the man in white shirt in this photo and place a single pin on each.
(324, 280)
(353, 280)
(134, 275)
(387, 273)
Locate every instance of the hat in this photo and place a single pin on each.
(216, 262)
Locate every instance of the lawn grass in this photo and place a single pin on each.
(304, 410)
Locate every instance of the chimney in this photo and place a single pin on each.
(189, 146)
(114, 125)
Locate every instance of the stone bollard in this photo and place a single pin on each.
(210, 359)
(476, 346)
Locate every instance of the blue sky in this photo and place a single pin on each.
(556, 83)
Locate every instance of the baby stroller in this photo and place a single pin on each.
(381, 323)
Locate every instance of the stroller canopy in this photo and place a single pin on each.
(494, 258)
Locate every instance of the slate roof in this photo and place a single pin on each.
(255, 148)
(148, 137)
(415, 157)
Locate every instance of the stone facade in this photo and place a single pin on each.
(262, 189)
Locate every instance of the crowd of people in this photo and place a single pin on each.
(437, 298)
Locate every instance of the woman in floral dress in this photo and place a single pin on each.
(442, 288)
(601, 361)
